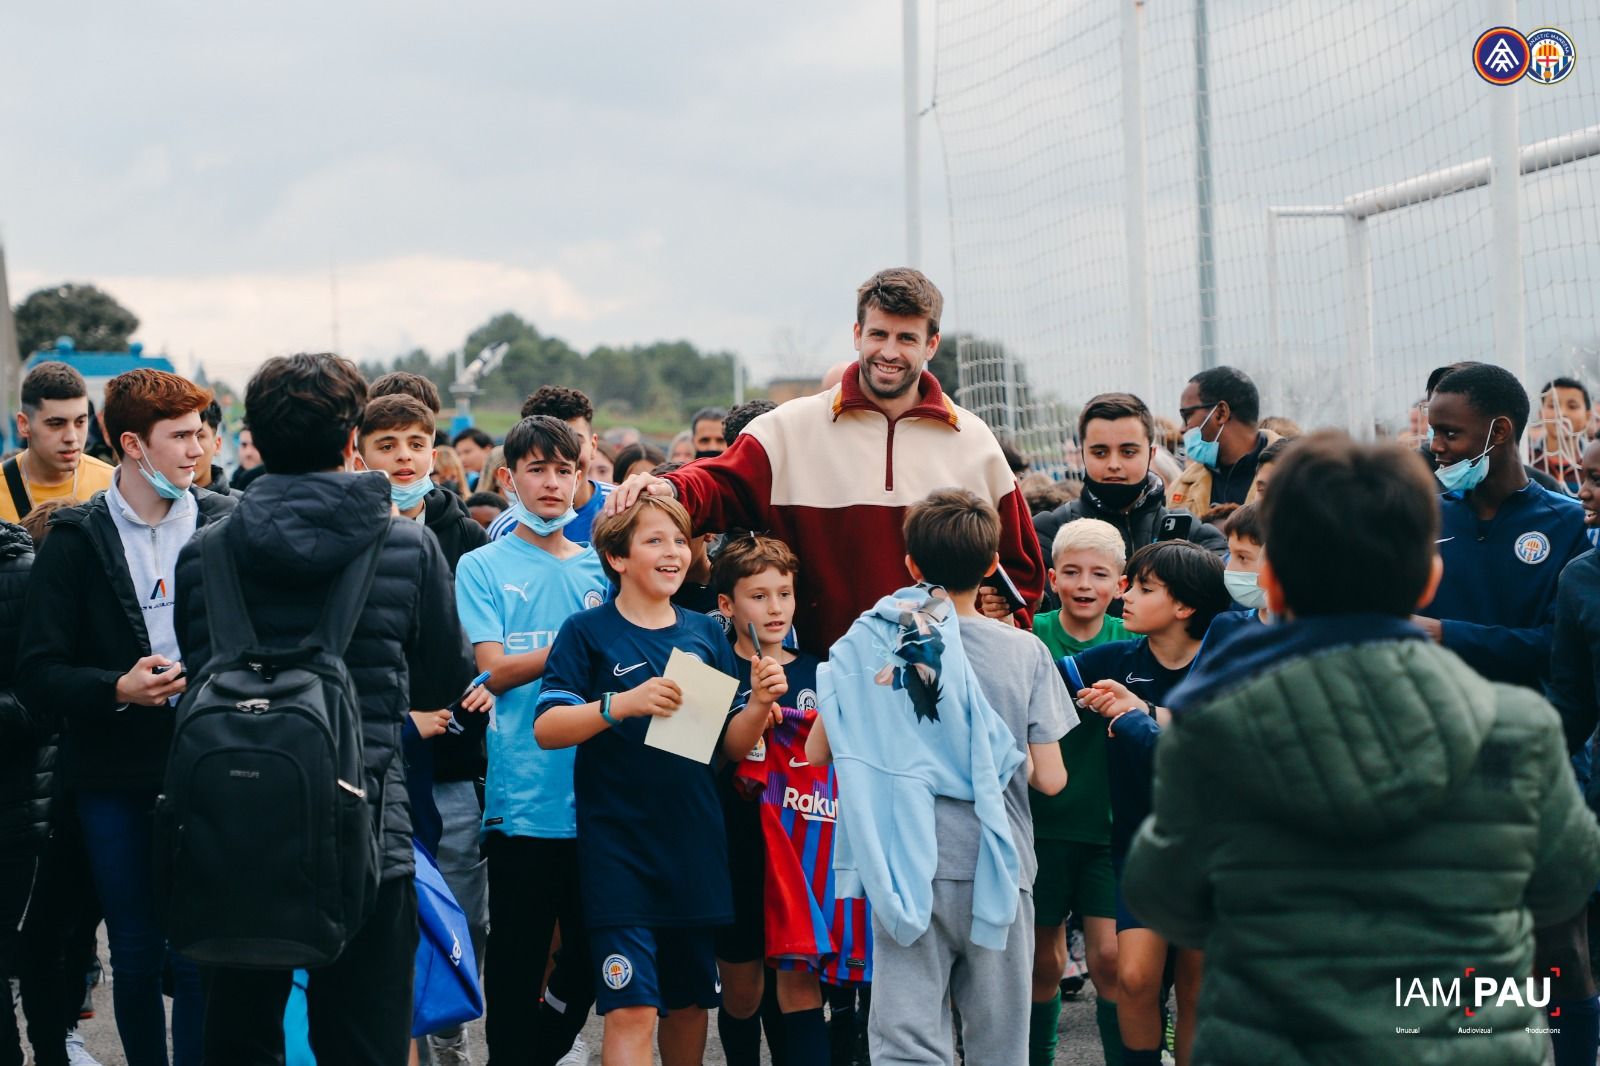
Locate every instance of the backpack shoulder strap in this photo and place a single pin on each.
(348, 597)
(19, 491)
(227, 617)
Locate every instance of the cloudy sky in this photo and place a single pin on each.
(615, 172)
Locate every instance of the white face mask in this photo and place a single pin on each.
(1244, 589)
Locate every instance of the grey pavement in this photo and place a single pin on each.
(1080, 1044)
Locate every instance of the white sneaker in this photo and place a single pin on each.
(77, 1054)
(450, 1050)
(578, 1056)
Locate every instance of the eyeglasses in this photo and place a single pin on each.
(1185, 412)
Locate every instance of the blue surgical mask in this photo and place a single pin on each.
(158, 481)
(406, 497)
(1427, 440)
(1242, 586)
(542, 526)
(1197, 448)
(1467, 474)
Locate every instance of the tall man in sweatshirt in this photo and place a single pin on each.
(839, 469)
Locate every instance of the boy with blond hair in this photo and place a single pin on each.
(1072, 829)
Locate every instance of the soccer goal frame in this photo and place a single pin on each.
(1355, 211)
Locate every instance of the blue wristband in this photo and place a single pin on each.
(605, 709)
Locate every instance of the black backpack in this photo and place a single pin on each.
(266, 844)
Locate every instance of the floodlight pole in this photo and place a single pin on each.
(913, 143)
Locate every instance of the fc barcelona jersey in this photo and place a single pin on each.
(806, 926)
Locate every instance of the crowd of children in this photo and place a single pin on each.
(785, 732)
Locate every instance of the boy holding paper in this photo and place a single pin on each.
(653, 867)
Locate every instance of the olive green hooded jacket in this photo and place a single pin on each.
(1342, 805)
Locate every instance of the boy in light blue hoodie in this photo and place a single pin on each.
(936, 832)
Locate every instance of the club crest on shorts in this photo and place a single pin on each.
(1500, 55)
(616, 972)
(1551, 55)
(1533, 547)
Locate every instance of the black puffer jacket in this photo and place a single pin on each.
(85, 630)
(27, 737)
(291, 535)
(1140, 526)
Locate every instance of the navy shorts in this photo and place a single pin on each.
(668, 969)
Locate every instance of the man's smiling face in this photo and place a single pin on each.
(894, 349)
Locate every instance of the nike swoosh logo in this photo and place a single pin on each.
(798, 764)
(1131, 680)
(619, 671)
(1444, 540)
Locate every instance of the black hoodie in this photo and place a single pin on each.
(1139, 526)
(85, 630)
(27, 736)
(291, 536)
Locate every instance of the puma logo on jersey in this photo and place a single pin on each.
(520, 590)
(812, 806)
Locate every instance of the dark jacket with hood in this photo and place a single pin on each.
(85, 630)
(1574, 685)
(290, 536)
(27, 736)
(1139, 526)
(1340, 804)
(454, 756)
(219, 482)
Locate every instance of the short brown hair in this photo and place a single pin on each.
(37, 521)
(1245, 523)
(51, 380)
(1110, 406)
(138, 399)
(405, 383)
(901, 291)
(613, 535)
(397, 410)
(746, 555)
(1383, 504)
(952, 536)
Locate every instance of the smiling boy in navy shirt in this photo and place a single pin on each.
(652, 856)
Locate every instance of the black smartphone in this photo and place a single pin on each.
(1176, 525)
(1000, 582)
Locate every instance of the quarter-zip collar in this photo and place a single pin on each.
(934, 405)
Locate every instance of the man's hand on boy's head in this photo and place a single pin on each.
(768, 683)
(658, 697)
(624, 495)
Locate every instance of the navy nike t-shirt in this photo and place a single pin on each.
(1130, 751)
(651, 849)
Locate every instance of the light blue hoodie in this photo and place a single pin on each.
(907, 722)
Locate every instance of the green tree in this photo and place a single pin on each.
(91, 317)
